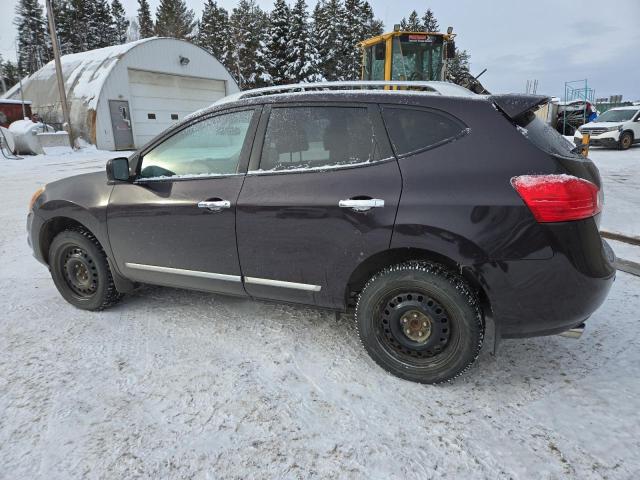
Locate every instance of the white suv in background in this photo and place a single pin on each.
(615, 128)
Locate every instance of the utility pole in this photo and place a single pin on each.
(24, 112)
(56, 56)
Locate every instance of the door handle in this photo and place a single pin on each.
(214, 205)
(361, 205)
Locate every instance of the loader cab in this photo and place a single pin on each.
(407, 56)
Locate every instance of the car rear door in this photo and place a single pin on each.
(175, 225)
(320, 197)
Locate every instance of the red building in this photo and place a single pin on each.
(11, 110)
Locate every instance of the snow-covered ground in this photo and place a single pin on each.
(177, 384)
(620, 171)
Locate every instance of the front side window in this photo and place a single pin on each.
(314, 137)
(209, 147)
(412, 130)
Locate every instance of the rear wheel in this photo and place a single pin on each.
(626, 140)
(80, 270)
(420, 322)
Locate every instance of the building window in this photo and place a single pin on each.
(151, 116)
(174, 116)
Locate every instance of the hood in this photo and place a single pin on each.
(88, 191)
(601, 124)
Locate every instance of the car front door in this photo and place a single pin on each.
(175, 224)
(320, 197)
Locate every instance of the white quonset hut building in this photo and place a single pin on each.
(120, 97)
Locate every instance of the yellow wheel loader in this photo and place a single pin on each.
(413, 56)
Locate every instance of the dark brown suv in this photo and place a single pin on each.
(430, 212)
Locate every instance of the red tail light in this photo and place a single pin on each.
(558, 198)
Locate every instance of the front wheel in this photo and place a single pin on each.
(626, 140)
(80, 270)
(420, 322)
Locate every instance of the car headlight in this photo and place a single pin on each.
(35, 197)
(613, 129)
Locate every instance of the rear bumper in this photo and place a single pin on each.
(545, 297)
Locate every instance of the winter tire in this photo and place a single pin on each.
(420, 322)
(80, 270)
(626, 140)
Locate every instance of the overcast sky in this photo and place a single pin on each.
(552, 41)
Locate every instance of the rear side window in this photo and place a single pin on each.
(315, 137)
(413, 129)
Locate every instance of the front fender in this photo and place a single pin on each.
(82, 199)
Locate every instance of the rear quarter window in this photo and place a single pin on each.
(545, 137)
(412, 130)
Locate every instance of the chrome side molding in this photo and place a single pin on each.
(181, 271)
(279, 283)
(224, 277)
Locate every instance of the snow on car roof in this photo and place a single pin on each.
(433, 87)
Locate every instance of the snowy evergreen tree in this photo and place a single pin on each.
(120, 22)
(413, 24)
(214, 32)
(9, 73)
(101, 31)
(145, 22)
(304, 61)
(33, 44)
(329, 30)
(275, 50)
(80, 25)
(133, 32)
(247, 24)
(174, 19)
(458, 67)
(372, 26)
(63, 12)
(429, 22)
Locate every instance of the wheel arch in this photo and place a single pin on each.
(58, 224)
(51, 228)
(378, 261)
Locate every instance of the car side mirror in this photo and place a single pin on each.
(118, 170)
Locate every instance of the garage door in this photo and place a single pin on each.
(159, 100)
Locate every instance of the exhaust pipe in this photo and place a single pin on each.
(575, 332)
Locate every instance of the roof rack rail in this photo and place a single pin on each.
(434, 88)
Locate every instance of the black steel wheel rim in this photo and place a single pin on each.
(413, 326)
(79, 271)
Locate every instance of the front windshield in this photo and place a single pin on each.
(616, 116)
(417, 57)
